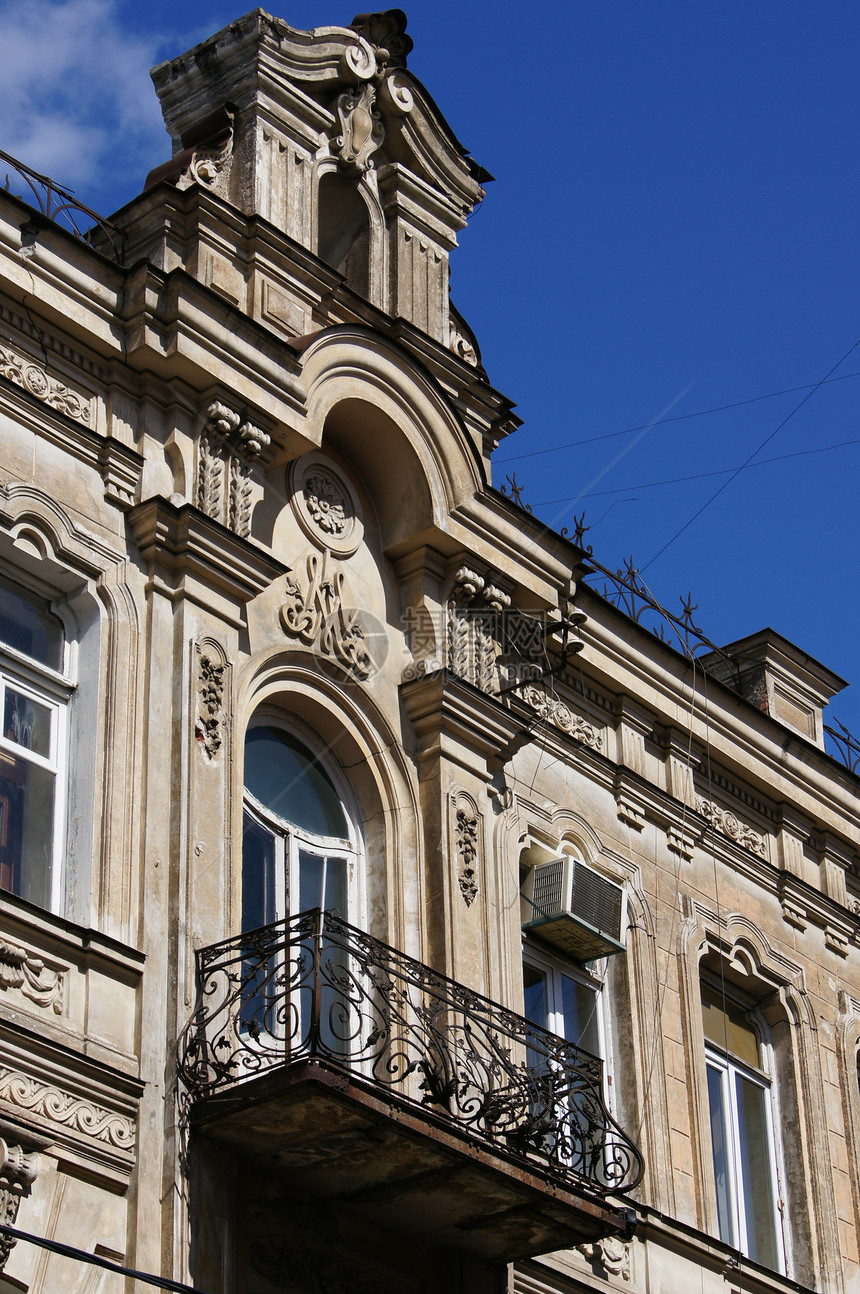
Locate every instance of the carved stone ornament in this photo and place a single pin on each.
(561, 716)
(315, 614)
(466, 824)
(18, 1171)
(386, 32)
(361, 128)
(207, 729)
(476, 607)
(28, 1093)
(729, 825)
(33, 378)
(326, 506)
(608, 1257)
(26, 972)
(210, 158)
(226, 454)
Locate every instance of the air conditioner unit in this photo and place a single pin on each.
(572, 906)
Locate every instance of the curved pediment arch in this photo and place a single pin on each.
(394, 424)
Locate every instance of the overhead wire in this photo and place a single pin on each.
(701, 476)
(725, 485)
(676, 417)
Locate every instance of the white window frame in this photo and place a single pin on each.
(54, 690)
(290, 842)
(730, 1068)
(594, 980)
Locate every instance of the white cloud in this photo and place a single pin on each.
(77, 98)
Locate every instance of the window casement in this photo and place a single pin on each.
(564, 999)
(740, 1107)
(301, 848)
(35, 693)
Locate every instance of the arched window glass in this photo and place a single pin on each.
(284, 777)
(34, 704)
(300, 846)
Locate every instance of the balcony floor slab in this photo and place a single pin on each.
(334, 1138)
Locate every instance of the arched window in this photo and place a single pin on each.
(300, 845)
(35, 692)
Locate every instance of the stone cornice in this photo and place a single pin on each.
(452, 718)
(192, 555)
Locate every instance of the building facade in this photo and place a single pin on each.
(384, 906)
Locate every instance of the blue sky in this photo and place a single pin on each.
(673, 227)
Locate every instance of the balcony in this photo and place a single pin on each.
(374, 1083)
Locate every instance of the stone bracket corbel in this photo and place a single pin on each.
(18, 1171)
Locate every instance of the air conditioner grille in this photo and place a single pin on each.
(596, 900)
(549, 897)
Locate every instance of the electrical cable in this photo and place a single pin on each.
(676, 417)
(755, 452)
(701, 476)
(81, 1255)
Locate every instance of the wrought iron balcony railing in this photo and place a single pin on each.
(313, 987)
(61, 206)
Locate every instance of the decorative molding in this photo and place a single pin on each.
(466, 825)
(23, 970)
(18, 1171)
(681, 841)
(561, 716)
(608, 1257)
(61, 1107)
(207, 729)
(121, 470)
(34, 379)
(629, 803)
(226, 452)
(361, 128)
(726, 822)
(325, 505)
(209, 160)
(475, 607)
(317, 616)
(386, 34)
(462, 345)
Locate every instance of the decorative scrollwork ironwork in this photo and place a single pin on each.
(313, 987)
(515, 492)
(844, 746)
(626, 589)
(63, 208)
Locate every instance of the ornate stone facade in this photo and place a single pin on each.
(294, 652)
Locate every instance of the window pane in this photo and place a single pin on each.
(27, 624)
(720, 1148)
(259, 899)
(579, 1012)
(311, 877)
(535, 990)
(282, 775)
(334, 888)
(26, 828)
(27, 722)
(726, 1025)
(756, 1173)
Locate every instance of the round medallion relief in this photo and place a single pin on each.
(326, 505)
